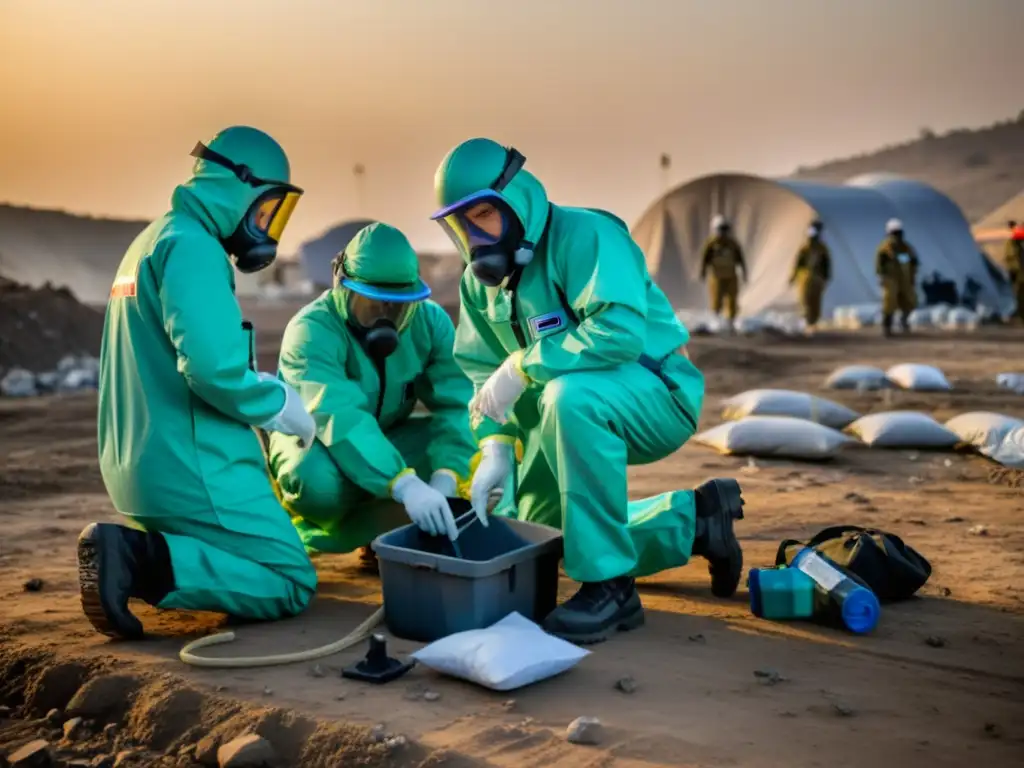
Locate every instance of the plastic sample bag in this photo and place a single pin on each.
(982, 430)
(902, 429)
(863, 377)
(1010, 452)
(509, 654)
(917, 377)
(774, 436)
(784, 402)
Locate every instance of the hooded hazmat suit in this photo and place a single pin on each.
(584, 312)
(340, 490)
(177, 403)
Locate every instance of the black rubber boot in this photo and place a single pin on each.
(887, 325)
(719, 502)
(368, 562)
(116, 563)
(597, 611)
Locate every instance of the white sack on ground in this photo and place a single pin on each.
(1011, 381)
(982, 430)
(784, 402)
(902, 429)
(1010, 452)
(857, 316)
(774, 436)
(509, 654)
(917, 377)
(863, 377)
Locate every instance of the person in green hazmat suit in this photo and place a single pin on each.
(1013, 258)
(362, 356)
(178, 401)
(811, 272)
(896, 265)
(574, 351)
(723, 257)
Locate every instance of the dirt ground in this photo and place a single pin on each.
(940, 683)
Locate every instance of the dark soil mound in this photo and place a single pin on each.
(39, 326)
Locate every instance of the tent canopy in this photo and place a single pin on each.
(770, 219)
(316, 254)
(992, 232)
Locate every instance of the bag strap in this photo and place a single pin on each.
(780, 554)
(834, 532)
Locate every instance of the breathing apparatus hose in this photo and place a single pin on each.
(357, 635)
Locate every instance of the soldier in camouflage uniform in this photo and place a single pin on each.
(724, 257)
(896, 265)
(811, 273)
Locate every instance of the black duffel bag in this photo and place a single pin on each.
(891, 569)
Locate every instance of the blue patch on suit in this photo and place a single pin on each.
(545, 325)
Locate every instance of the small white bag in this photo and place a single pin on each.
(774, 436)
(982, 430)
(902, 429)
(784, 402)
(863, 377)
(506, 655)
(917, 377)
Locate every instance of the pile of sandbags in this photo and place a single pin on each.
(73, 373)
(945, 317)
(857, 316)
(705, 323)
(910, 376)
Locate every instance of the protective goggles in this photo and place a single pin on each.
(272, 210)
(452, 218)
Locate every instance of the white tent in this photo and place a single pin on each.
(770, 219)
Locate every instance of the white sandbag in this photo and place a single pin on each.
(1011, 381)
(779, 436)
(18, 382)
(509, 654)
(960, 319)
(862, 377)
(857, 316)
(1010, 452)
(920, 378)
(784, 402)
(982, 430)
(921, 319)
(902, 429)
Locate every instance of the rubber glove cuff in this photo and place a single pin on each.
(446, 482)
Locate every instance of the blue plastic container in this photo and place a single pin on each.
(854, 606)
(780, 593)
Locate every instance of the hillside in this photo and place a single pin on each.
(979, 168)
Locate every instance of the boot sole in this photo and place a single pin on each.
(90, 543)
(634, 620)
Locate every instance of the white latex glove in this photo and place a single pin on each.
(444, 481)
(427, 507)
(495, 467)
(499, 393)
(293, 418)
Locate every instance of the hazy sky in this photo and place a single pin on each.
(103, 99)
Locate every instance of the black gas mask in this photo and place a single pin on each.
(374, 319)
(492, 258)
(253, 244)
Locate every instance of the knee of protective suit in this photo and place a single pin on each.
(314, 484)
(571, 396)
(299, 597)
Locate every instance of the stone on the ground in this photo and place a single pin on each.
(431, 696)
(248, 751)
(33, 585)
(35, 754)
(978, 530)
(626, 684)
(72, 727)
(935, 641)
(206, 750)
(769, 676)
(584, 730)
(842, 709)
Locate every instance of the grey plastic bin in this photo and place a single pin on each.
(508, 566)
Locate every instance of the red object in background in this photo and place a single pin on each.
(1018, 232)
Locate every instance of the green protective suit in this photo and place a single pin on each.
(177, 402)
(591, 409)
(339, 491)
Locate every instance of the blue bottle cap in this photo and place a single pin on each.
(861, 611)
